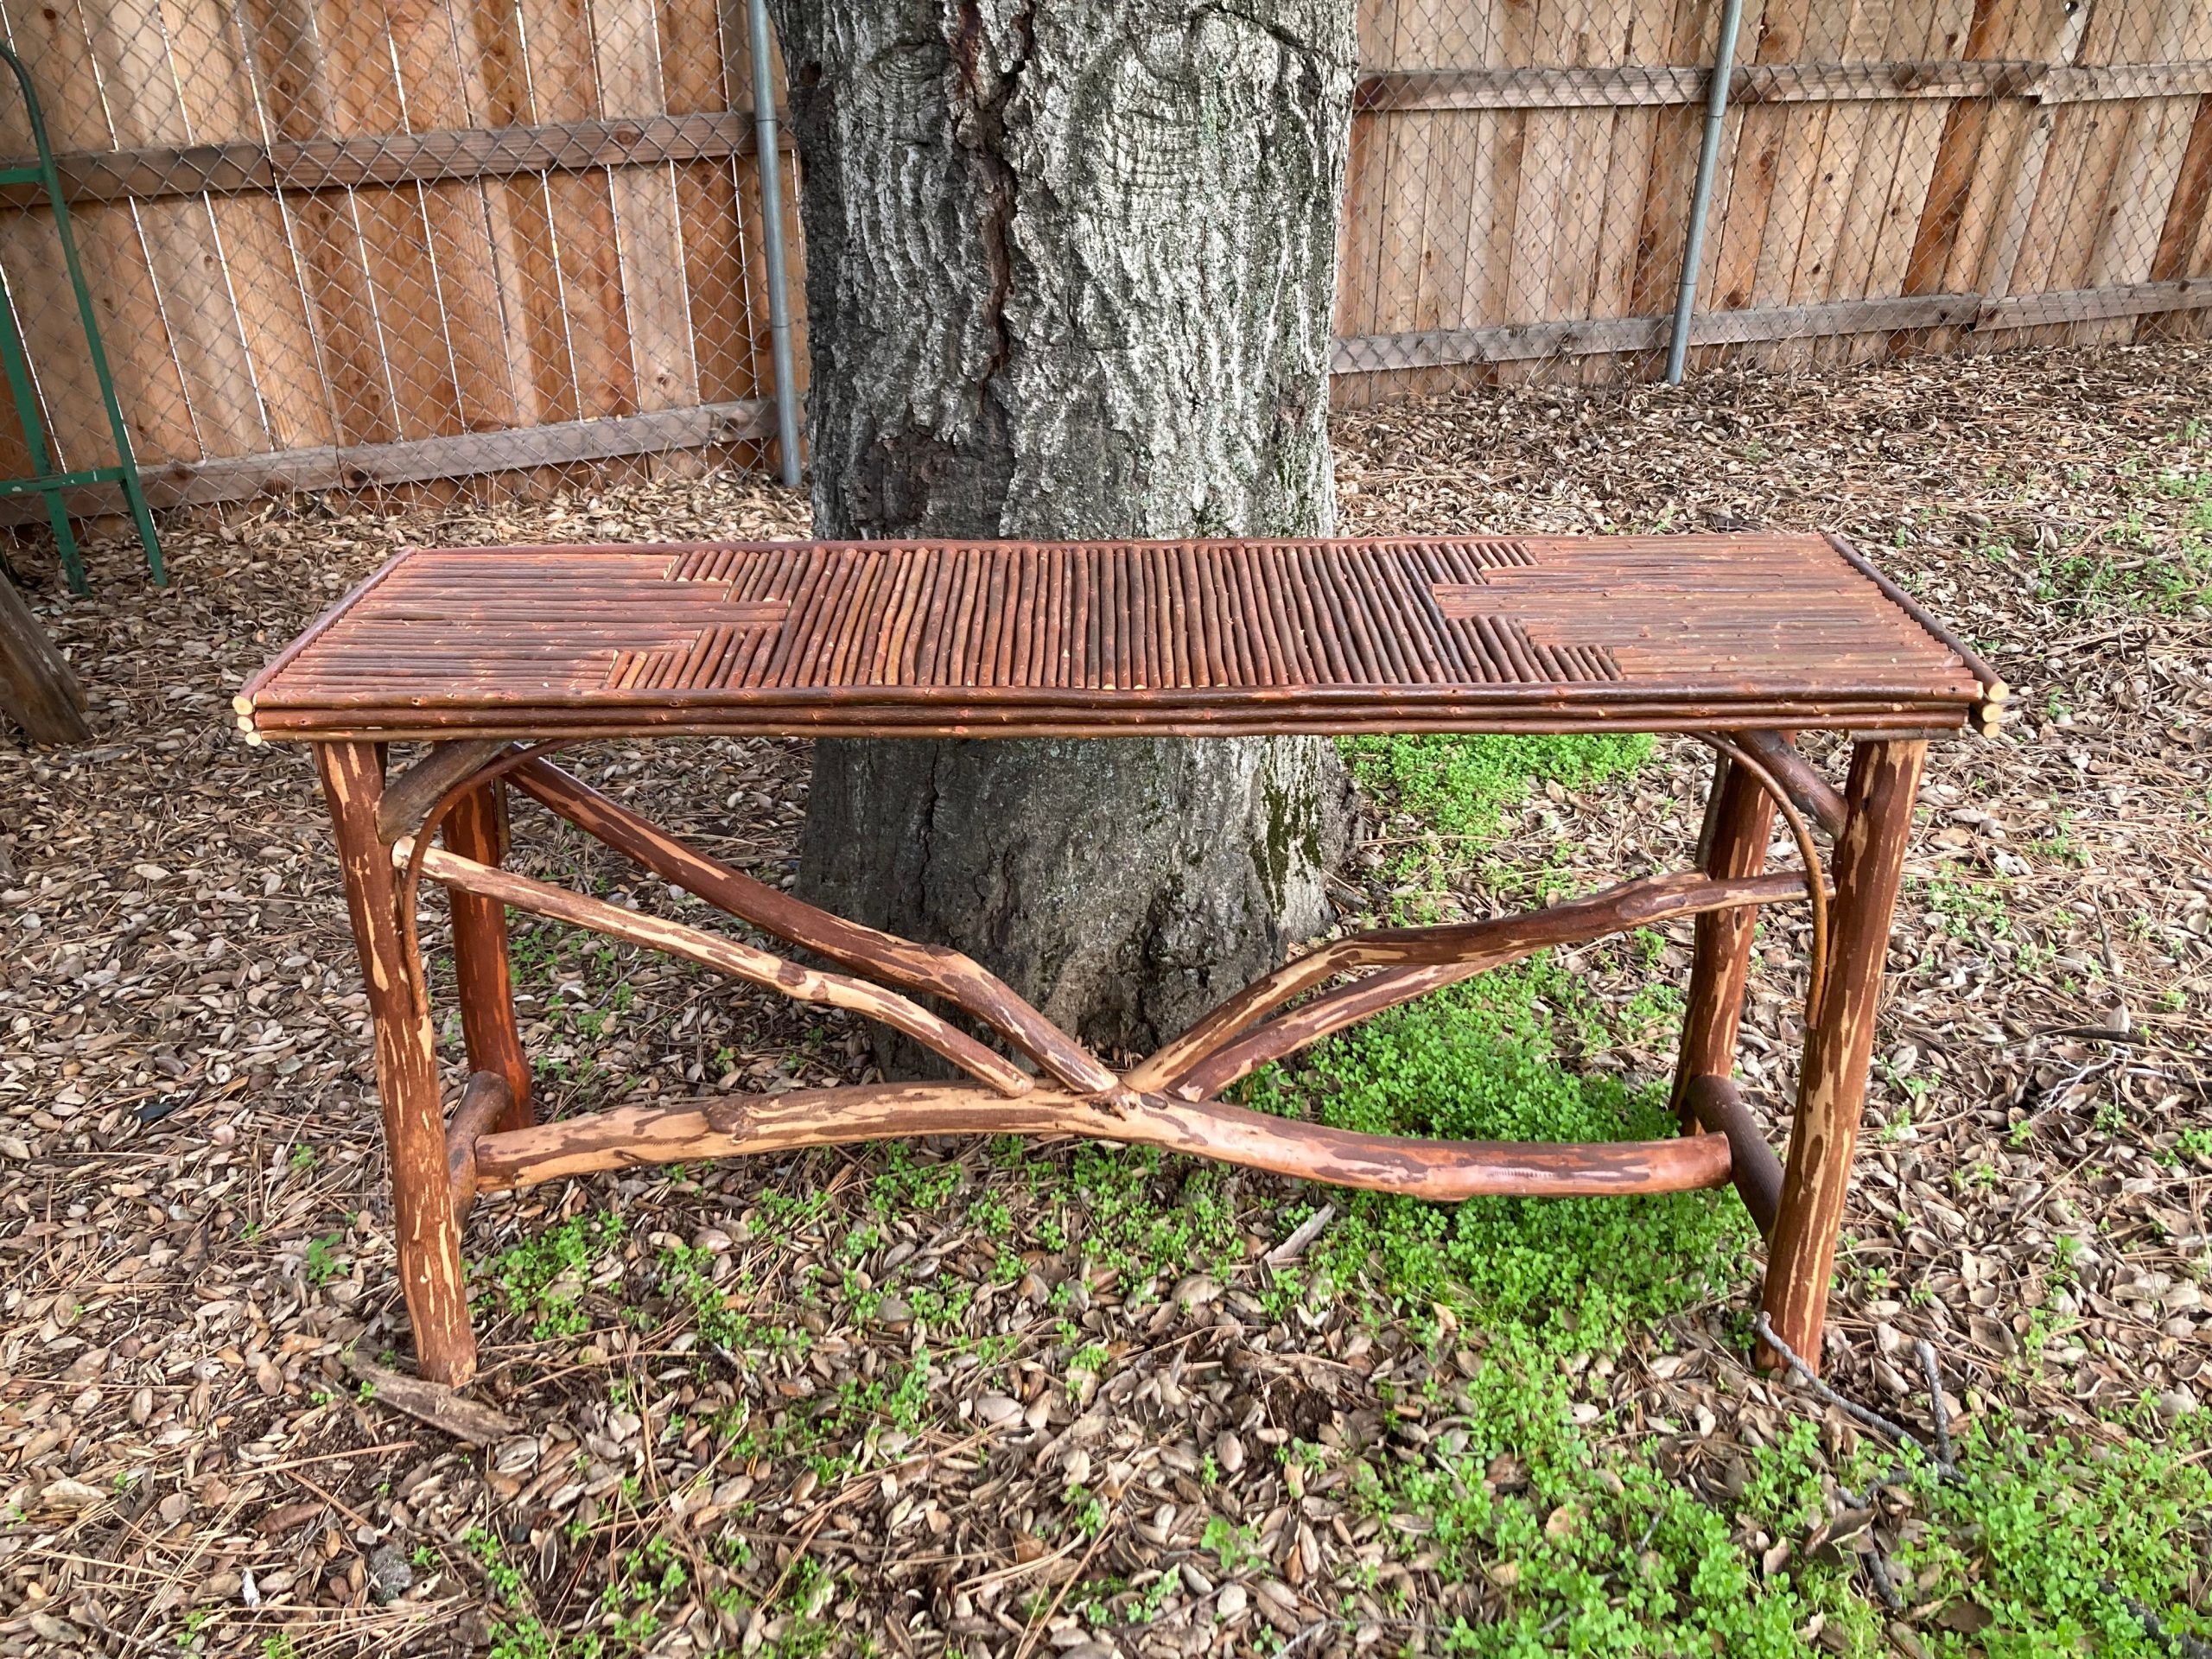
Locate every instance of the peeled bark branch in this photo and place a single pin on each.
(1719, 1108)
(1811, 794)
(1202, 1062)
(484, 1102)
(1444, 1171)
(724, 955)
(409, 797)
(885, 956)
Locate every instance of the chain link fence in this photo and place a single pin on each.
(1890, 175)
(344, 246)
(493, 244)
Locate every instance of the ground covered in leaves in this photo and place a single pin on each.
(1003, 1401)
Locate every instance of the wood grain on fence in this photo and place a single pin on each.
(1891, 178)
(332, 247)
(325, 242)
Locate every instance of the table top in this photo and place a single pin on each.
(1206, 638)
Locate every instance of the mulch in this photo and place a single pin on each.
(195, 1235)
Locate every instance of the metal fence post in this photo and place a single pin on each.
(1708, 162)
(771, 221)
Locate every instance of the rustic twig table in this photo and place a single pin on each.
(493, 657)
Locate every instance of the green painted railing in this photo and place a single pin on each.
(45, 479)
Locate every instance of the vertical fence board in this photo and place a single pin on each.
(1943, 38)
(1648, 26)
(716, 253)
(628, 66)
(1663, 225)
(752, 225)
(1578, 239)
(1735, 178)
(1805, 216)
(1359, 253)
(1405, 206)
(1832, 167)
(1966, 128)
(2187, 217)
(1866, 157)
(288, 57)
(392, 233)
(2042, 31)
(580, 211)
(1481, 160)
(2147, 172)
(221, 105)
(2143, 181)
(57, 44)
(518, 224)
(442, 90)
(2077, 134)
(143, 96)
(1522, 248)
(1762, 142)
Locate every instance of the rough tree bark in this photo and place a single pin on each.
(37, 691)
(1070, 269)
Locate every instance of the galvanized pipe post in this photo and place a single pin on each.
(771, 220)
(1709, 163)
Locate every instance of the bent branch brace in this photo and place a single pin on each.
(1742, 641)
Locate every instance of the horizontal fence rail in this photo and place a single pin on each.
(155, 174)
(1635, 86)
(524, 244)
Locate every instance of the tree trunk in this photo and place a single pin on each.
(1069, 274)
(37, 691)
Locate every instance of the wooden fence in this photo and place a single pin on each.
(338, 246)
(1922, 175)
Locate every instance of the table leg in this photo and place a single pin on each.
(1869, 866)
(477, 829)
(1742, 820)
(407, 1070)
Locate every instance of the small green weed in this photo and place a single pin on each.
(1234, 1546)
(543, 1279)
(1967, 908)
(906, 1187)
(582, 984)
(321, 1264)
(1131, 1228)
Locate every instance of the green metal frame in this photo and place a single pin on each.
(45, 480)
